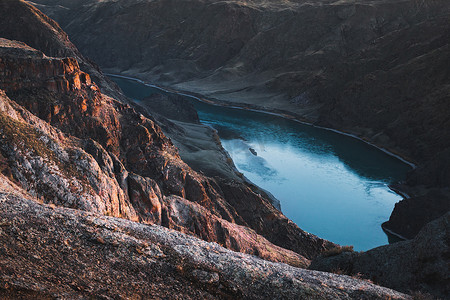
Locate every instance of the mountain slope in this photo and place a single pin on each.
(421, 262)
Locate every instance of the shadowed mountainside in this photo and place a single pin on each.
(421, 262)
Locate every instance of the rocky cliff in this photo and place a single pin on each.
(377, 69)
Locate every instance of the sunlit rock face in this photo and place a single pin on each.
(20, 71)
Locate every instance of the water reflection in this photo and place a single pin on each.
(329, 184)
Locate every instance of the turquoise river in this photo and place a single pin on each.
(329, 184)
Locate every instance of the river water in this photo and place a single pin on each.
(329, 184)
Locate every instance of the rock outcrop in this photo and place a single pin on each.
(418, 264)
(376, 69)
(49, 252)
(411, 214)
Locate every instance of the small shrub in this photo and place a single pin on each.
(3, 163)
(217, 139)
(338, 271)
(337, 250)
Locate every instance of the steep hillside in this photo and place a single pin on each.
(377, 69)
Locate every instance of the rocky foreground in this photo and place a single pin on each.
(376, 69)
(51, 252)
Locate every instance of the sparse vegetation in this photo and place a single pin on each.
(3, 163)
(217, 139)
(338, 271)
(361, 277)
(337, 250)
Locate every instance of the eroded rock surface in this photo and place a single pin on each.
(51, 252)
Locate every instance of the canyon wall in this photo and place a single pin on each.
(90, 186)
